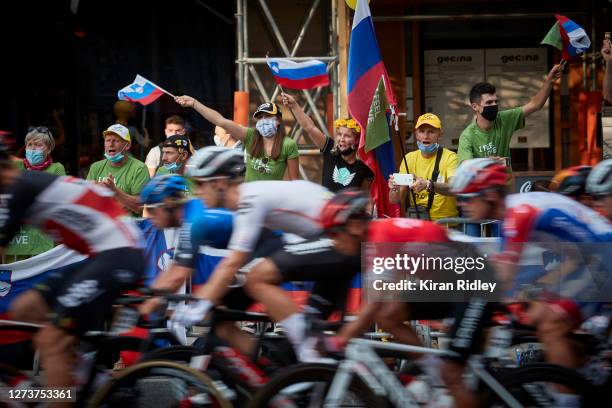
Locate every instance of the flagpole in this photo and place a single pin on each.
(161, 89)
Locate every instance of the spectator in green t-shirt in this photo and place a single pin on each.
(120, 172)
(490, 132)
(268, 153)
(175, 151)
(39, 144)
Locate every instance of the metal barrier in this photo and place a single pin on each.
(465, 223)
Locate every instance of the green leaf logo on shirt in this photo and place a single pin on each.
(343, 176)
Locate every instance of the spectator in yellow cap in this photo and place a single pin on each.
(432, 167)
(120, 172)
(341, 167)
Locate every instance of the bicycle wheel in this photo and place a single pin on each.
(160, 384)
(533, 386)
(305, 385)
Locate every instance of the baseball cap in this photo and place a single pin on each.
(178, 142)
(428, 119)
(268, 107)
(118, 130)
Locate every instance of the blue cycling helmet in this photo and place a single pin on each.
(162, 188)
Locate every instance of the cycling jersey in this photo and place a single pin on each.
(74, 212)
(405, 230)
(543, 217)
(290, 206)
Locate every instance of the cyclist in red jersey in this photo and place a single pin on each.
(87, 219)
(345, 218)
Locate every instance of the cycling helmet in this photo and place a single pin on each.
(599, 182)
(214, 161)
(343, 206)
(475, 175)
(162, 188)
(571, 181)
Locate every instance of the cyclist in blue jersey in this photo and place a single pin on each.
(599, 186)
(539, 217)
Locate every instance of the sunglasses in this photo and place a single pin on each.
(39, 129)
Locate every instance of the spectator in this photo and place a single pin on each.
(489, 134)
(268, 152)
(175, 125)
(341, 167)
(606, 53)
(433, 167)
(224, 139)
(39, 144)
(120, 172)
(175, 150)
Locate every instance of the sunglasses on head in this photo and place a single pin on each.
(40, 129)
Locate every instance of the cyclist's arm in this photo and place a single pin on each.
(222, 277)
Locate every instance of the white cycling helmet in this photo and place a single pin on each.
(599, 182)
(214, 161)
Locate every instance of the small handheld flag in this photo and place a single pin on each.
(142, 91)
(299, 75)
(568, 37)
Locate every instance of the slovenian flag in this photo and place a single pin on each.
(568, 37)
(142, 91)
(299, 75)
(366, 69)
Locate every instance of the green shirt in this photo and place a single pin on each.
(266, 168)
(54, 168)
(190, 184)
(129, 178)
(476, 143)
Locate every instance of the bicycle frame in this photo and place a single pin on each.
(361, 360)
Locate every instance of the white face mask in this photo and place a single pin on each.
(267, 127)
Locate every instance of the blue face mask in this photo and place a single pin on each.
(427, 149)
(116, 158)
(35, 156)
(172, 167)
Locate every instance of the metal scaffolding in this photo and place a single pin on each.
(245, 64)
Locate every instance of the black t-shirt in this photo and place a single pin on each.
(338, 174)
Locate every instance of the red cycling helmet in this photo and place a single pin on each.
(476, 175)
(343, 206)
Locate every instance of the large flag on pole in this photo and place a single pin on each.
(142, 91)
(365, 71)
(568, 37)
(299, 75)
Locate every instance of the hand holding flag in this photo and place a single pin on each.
(298, 75)
(142, 91)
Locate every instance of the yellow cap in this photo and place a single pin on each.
(428, 119)
(118, 130)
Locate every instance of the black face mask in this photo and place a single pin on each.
(489, 112)
(347, 152)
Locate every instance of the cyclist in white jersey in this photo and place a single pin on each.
(289, 206)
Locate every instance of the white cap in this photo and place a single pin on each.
(118, 130)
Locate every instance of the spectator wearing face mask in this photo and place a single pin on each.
(488, 136)
(39, 144)
(175, 125)
(268, 153)
(432, 167)
(224, 139)
(120, 172)
(341, 166)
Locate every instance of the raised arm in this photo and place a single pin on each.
(304, 120)
(213, 116)
(606, 53)
(537, 102)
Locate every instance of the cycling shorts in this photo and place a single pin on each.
(81, 297)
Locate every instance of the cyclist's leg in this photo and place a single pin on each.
(263, 285)
(236, 299)
(466, 335)
(81, 303)
(33, 305)
(553, 328)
